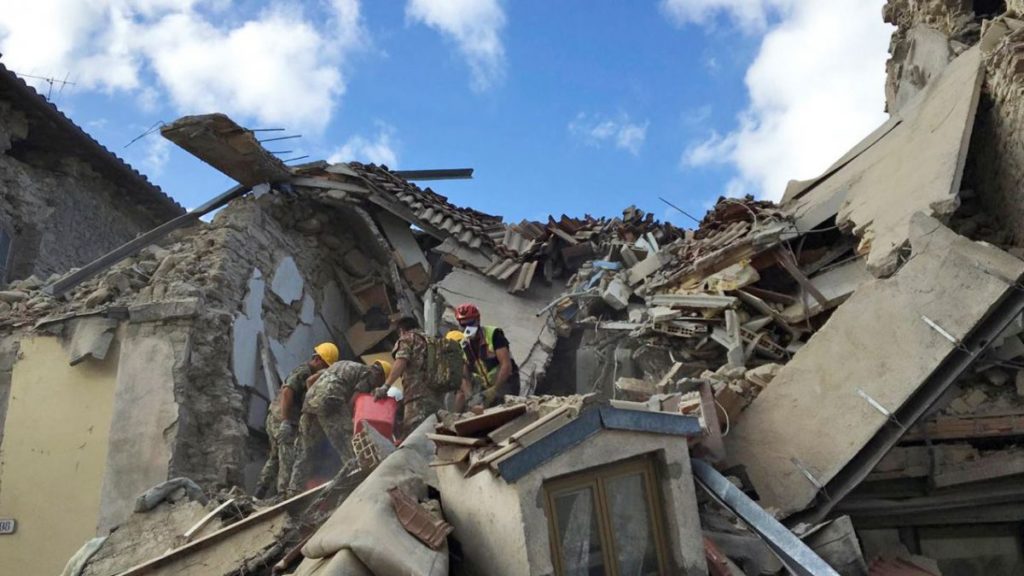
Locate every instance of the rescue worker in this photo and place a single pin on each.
(488, 360)
(327, 411)
(283, 418)
(410, 353)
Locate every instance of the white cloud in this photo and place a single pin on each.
(751, 15)
(475, 27)
(807, 106)
(157, 153)
(281, 66)
(378, 149)
(715, 149)
(622, 132)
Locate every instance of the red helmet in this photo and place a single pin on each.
(466, 312)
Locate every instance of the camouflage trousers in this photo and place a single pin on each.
(415, 412)
(278, 470)
(313, 427)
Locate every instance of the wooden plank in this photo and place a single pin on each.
(328, 184)
(219, 535)
(968, 427)
(563, 235)
(785, 259)
(491, 419)
(361, 340)
(457, 440)
(997, 465)
(539, 430)
(505, 431)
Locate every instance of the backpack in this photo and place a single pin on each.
(444, 364)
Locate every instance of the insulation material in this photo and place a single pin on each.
(407, 468)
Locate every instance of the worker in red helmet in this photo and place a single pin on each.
(490, 369)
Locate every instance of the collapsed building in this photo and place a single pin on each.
(831, 384)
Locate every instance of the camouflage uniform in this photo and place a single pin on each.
(419, 397)
(278, 470)
(327, 412)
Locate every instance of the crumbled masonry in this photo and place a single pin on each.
(831, 384)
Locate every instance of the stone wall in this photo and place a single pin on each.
(997, 146)
(274, 265)
(60, 212)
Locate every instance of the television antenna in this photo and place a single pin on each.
(50, 81)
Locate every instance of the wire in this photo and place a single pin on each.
(685, 213)
(727, 425)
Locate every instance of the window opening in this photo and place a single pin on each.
(607, 521)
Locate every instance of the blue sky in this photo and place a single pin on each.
(561, 107)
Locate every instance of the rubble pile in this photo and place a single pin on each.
(723, 299)
(830, 384)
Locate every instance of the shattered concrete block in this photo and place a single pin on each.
(996, 376)
(663, 314)
(1019, 381)
(646, 267)
(762, 375)
(165, 267)
(156, 311)
(634, 388)
(636, 312)
(617, 294)
(975, 398)
(99, 296)
(12, 296)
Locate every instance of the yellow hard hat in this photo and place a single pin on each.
(385, 366)
(454, 336)
(327, 352)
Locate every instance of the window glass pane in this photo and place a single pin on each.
(580, 536)
(635, 547)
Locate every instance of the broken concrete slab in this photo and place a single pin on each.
(816, 416)
(223, 144)
(915, 166)
(928, 53)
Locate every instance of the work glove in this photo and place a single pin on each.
(287, 432)
(380, 393)
(396, 393)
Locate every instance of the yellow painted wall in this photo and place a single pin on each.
(53, 455)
